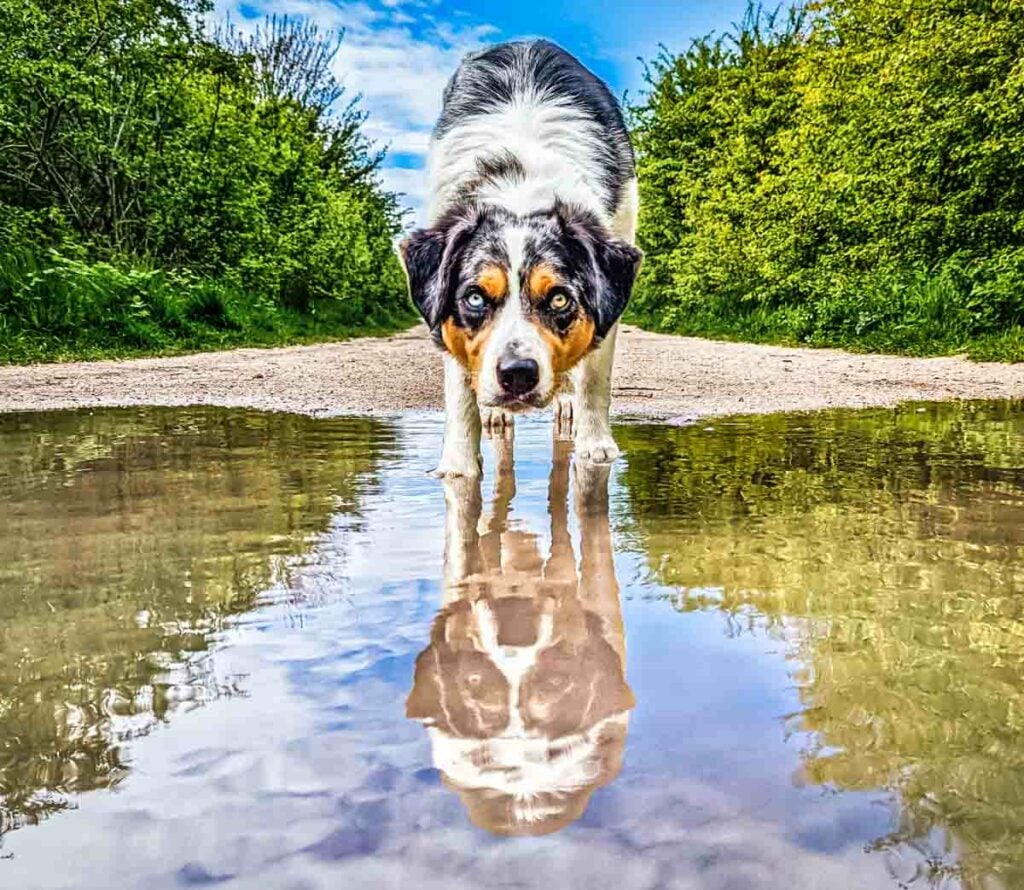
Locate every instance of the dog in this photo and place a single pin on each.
(522, 686)
(528, 259)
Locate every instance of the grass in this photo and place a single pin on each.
(53, 308)
(904, 313)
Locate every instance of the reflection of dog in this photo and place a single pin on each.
(522, 686)
(528, 260)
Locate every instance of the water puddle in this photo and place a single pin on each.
(265, 650)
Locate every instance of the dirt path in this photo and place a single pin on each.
(656, 375)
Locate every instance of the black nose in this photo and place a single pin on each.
(518, 376)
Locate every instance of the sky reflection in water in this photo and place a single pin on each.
(267, 651)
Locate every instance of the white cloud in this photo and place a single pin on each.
(408, 183)
(397, 57)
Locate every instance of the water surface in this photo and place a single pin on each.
(263, 650)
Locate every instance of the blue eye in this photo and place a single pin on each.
(474, 299)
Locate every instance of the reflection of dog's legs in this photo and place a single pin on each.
(594, 440)
(561, 563)
(461, 454)
(599, 589)
(504, 472)
(463, 503)
(492, 526)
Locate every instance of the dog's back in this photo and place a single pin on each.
(524, 123)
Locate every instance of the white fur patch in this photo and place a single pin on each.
(555, 145)
(514, 335)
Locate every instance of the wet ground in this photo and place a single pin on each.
(261, 650)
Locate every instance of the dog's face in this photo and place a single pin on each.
(519, 300)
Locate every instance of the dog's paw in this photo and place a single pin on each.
(597, 450)
(457, 467)
(563, 416)
(496, 420)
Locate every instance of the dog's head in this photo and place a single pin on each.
(519, 300)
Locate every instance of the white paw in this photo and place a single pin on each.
(563, 417)
(597, 450)
(457, 466)
(496, 420)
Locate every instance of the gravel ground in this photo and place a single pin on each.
(657, 375)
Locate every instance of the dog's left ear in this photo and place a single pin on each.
(618, 264)
(608, 264)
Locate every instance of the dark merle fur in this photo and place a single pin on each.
(495, 76)
(503, 166)
(442, 261)
(435, 257)
(599, 267)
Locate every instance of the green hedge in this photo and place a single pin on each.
(849, 173)
(164, 188)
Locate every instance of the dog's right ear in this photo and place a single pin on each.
(422, 255)
(432, 258)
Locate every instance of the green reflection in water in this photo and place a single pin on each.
(886, 549)
(128, 538)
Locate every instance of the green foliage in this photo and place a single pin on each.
(56, 308)
(164, 189)
(849, 174)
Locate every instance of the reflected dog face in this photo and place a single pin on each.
(518, 301)
(540, 666)
(522, 686)
(527, 708)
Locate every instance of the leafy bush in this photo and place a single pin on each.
(53, 307)
(162, 188)
(849, 173)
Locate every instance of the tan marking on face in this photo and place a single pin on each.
(466, 346)
(543, 278)
(567, 349)
(493, 281)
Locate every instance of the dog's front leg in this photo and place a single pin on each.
(461, 453)
(594, 440)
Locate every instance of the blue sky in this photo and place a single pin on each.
(398, 54)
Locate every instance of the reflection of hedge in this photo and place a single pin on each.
(129, 536)
(897, 541)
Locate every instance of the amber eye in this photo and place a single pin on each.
(559, 301)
